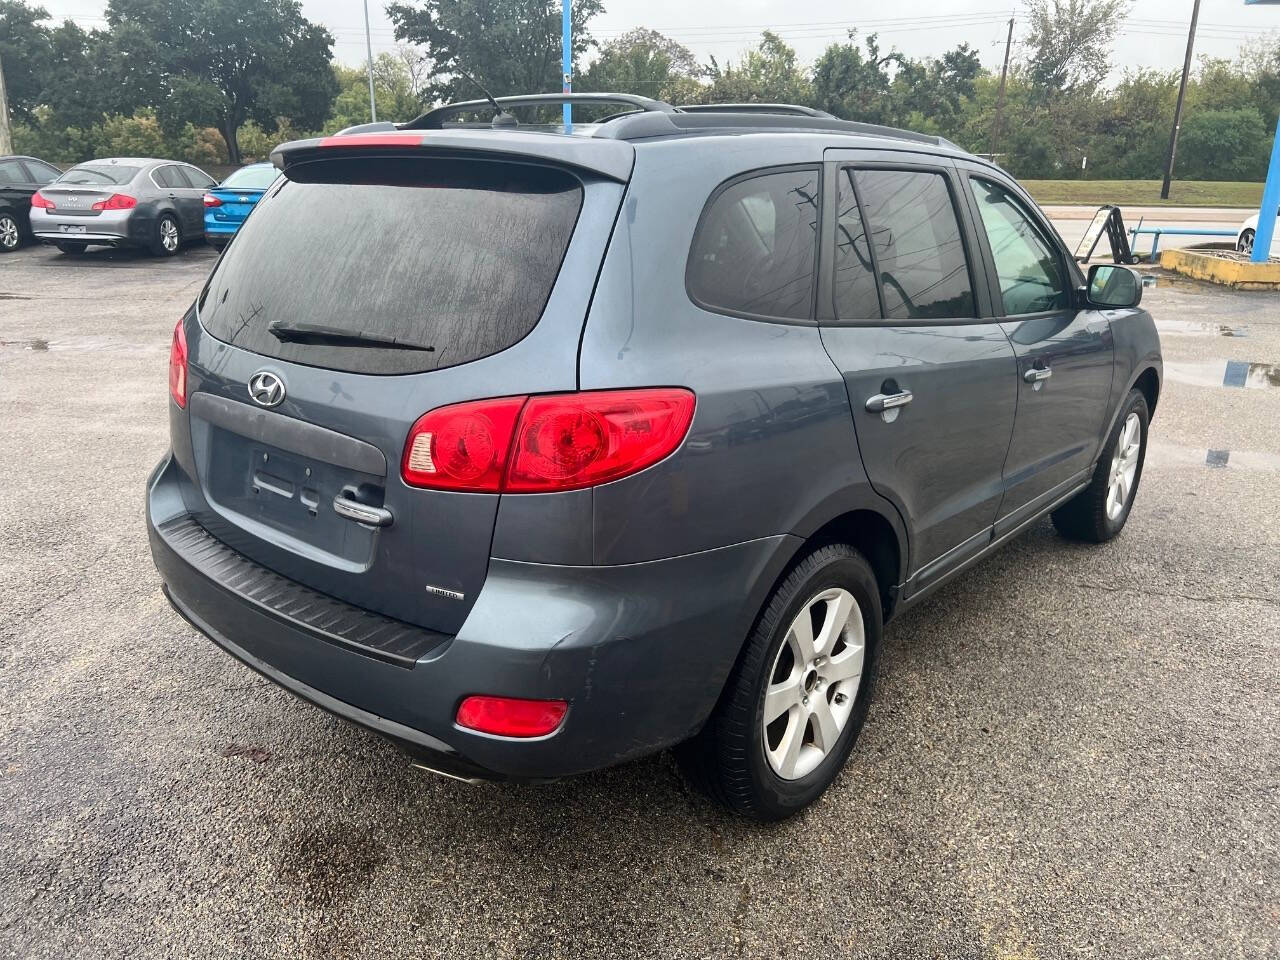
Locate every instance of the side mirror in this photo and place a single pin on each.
(1112, 287)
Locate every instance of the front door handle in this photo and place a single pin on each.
(1036, 374)
(364, 513)
(888, 401)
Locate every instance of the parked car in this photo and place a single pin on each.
(227, 204)
(1248, 229)
(20, 177)
(642, 438)
(123, 201)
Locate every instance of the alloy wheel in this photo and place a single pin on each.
(1245, 243)
(1124, 466)
(8, 233)
(813, 683)
(169, 235)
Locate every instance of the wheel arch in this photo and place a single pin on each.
(1148, 382)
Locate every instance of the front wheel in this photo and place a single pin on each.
(167, 239)
(1099, 511)
(1245, 243)
(797, 698)
(10, 233)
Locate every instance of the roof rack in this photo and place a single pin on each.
(656, 118)
(771, 108)
(434, 119)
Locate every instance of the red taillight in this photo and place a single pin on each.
(40, 201)
(178, 366)
(511, 716)
(117, 201)
(462, 447)
(545, 443)
(211, 201)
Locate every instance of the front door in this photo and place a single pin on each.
(1064, 354)
(931, 382)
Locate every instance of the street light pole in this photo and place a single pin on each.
(369, 48)
(566, 59)
(1177, 110)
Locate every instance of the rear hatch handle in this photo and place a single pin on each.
(344, 505)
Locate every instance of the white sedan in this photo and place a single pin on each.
(1244, 238)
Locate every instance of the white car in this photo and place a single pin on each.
(1244, 238)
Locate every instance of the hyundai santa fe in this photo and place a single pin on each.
(537, 451)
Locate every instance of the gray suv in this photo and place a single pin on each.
(538, 452)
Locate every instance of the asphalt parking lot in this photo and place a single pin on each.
(1074, 751)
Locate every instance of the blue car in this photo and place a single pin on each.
(226, 205)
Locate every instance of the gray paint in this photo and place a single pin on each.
(632, 599)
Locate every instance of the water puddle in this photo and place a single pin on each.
(1176, 455)
(1225, 373)
(104, 344)
(1201, 328)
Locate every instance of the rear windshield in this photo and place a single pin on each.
(100, 174)
(451, 260)
(252, 178)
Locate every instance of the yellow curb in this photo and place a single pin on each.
(1204, 265)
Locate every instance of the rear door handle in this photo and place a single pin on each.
(364, 513)
(1036, 374)
(888, 401)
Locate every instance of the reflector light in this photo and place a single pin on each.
(545, 443)
(211, 201)
(511, 716)
(178, 366)
(42, 202)
(117, 201)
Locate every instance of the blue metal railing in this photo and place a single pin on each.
(1156, 232)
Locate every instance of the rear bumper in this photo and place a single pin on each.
(111, 227)
(640, 651)
(221, 228)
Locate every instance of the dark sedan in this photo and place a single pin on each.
(20, 177)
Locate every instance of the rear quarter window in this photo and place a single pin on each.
(452, 260)
(754, 249)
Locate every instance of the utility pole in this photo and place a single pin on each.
(1177, 111)
(369, 48)
(1004, 75)
(6, 138)
(566, 59)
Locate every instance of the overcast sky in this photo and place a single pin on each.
(1154, 36)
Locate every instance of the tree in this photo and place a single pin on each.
(1223, 145)
(852, 84)
(643, 62)
(509, 46)
(392, 90)
(24, 49)
(1070, 43)
(222, 62)
(770, 73)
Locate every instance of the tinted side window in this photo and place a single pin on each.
(182, 177)
(199, 179)
(163, 176)
(11, 172)
(755, 247)
(1029, 269)
(39, 172)
(919, 249)
(855, 280)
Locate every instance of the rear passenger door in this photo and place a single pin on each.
(931, 377)
(1064, 354)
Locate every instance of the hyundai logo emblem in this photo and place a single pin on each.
(266, 389)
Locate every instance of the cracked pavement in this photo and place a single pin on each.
(1074, 751)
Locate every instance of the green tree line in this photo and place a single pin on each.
(214, 81)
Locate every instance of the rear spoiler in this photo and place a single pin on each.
(612, 159)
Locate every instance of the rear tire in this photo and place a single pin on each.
(167, 238)
(10, 233)
(1099, 511)
(771, 770)
(1244, 244)
(72, 249)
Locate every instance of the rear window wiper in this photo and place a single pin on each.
(320, 333)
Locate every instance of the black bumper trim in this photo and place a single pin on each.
(326, 618)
